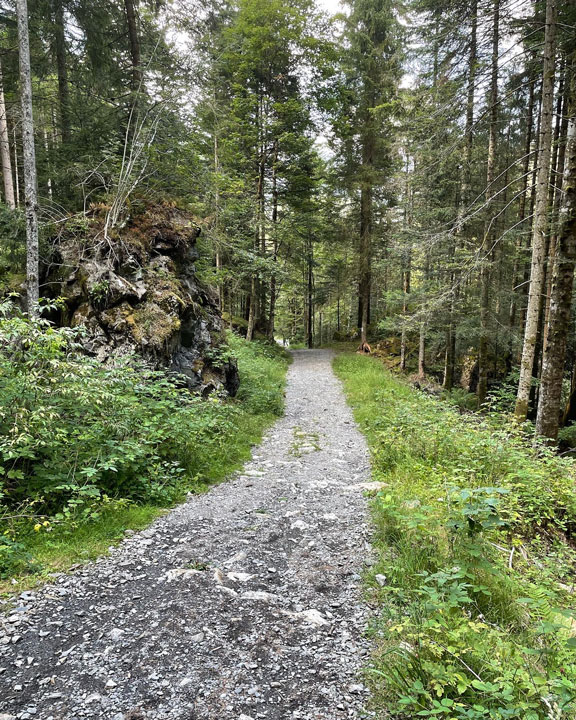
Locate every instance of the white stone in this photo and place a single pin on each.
(299, 525)
(313, 617)
(116, 634)
(181, 574)
(240, 576)
(258, 595)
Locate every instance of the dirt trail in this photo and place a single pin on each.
(243, 603)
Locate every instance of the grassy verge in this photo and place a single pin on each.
(475, 560)
(213, 438)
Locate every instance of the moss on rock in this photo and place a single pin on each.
(137, 290)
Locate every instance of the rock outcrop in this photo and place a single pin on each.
(135, 290)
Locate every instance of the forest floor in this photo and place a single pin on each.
(243, 603)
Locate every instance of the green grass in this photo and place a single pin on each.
(69, 545)
(473, 535)
(229, 430)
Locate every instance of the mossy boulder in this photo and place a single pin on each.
(136, 290)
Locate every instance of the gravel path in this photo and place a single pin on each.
(243, 603)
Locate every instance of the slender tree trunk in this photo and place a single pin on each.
(30, 181)
(16, 169)
(365, 258)
(450, 351)
(272, 304)
(255, 291)
(449, 358)
(531, 194)
(260, 247)
(422, 351)
(406, 292)
(549, 403)
(310, 294)
(252, 310)
(5, 150)
(522, 205)
(487, 241)
(471, 87)
(273, 279)
(555, 182)
(62, 69)
(134, 44)
(366, 212)
(423, 323)
(540, 225)
(47, 151)
(218, 257)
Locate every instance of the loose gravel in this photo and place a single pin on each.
(243, 603)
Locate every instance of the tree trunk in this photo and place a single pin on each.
(5, 150)
(422, 338)
(134, 44)
(406, 292)
(366, 212)
(260, 246)
(471, 86)
(547, 420)
(556, 171)
(422, 351)
(62, 69)
(29, 154)
(272, 306)
(218, 253)
(450, 350)
(16, 171)
(365, 258)
(310, 293)
(252, 311)
(48, 165)
(487, 240)
(273, 280)
(540, 224)
(522, 205)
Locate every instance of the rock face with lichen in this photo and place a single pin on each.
(135, 290)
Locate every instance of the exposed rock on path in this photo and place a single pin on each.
(241, 604)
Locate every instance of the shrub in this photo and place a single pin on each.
(76, 435)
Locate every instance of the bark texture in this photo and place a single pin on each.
(62, 69)
(489, 230)
(549, 404)
(5, 151)
(29, 155)
(366, 211)
(540, 223)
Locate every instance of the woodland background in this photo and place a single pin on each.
(396, 172)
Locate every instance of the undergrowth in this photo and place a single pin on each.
(87, 450)
(475, 569)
